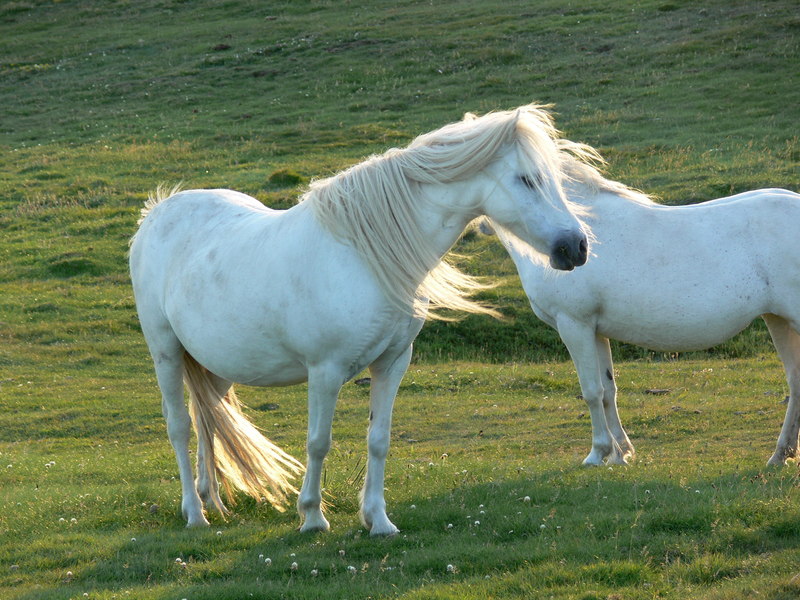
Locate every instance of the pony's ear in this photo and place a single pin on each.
(469, 117)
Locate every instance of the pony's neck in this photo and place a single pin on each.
(451, 208)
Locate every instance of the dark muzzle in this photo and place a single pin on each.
(569, 251)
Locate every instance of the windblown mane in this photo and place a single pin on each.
(161, 193)
(375, 205)
(579, 165)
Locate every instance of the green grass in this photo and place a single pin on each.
(471, 441)
(103, 101)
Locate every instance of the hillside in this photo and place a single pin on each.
(103, 101)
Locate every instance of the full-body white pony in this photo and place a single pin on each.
(668, 278)
(230, 291)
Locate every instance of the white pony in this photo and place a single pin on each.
(230, 291)
(668, 278)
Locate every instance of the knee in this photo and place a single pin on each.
(318, 446)
(378, 443)
(593, 395)
(178, 426)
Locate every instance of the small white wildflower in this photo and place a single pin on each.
(179, 560)
(451, 569)
(219, 533)
(292, 555)
(483, 512)
(268, 561)
(449, 525)
(477, 523)
(294, 566)
(314, 572)
(341, 553)
(351, 569)
(73, 520)
(697, 491)
(542, 526)
(526, 499)
(413, 507)
(481, 506)
(133, 539)
(62, 520)
(260, 557)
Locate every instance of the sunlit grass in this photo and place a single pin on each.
(104, 101)
(483, 475)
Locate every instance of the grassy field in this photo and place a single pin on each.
(102, 101)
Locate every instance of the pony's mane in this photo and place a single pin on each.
(374, 205)
(579, 165)
(161, 193)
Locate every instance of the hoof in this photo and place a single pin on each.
(387, 531)
(777, 460)
(595, 459)
(311, 526)
(195, 517)
(202, 522)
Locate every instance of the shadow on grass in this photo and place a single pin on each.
(565, 533)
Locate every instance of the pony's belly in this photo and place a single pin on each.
(252, 368)
(673, 336)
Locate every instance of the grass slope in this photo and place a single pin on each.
(104, 100)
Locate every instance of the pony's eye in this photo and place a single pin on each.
(529, 182)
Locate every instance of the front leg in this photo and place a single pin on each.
(606, 370)
(579, 338)
(323, 391)
(383, 389)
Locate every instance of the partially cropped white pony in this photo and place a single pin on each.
(230, 291)
(668, 278)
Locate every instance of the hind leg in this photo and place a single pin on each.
(606, 368)
(787, 343)
(206, 482)
(169, 371)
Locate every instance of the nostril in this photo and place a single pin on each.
(584, 247)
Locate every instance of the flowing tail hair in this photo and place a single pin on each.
(235, 450)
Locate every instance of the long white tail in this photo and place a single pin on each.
(235, 449)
